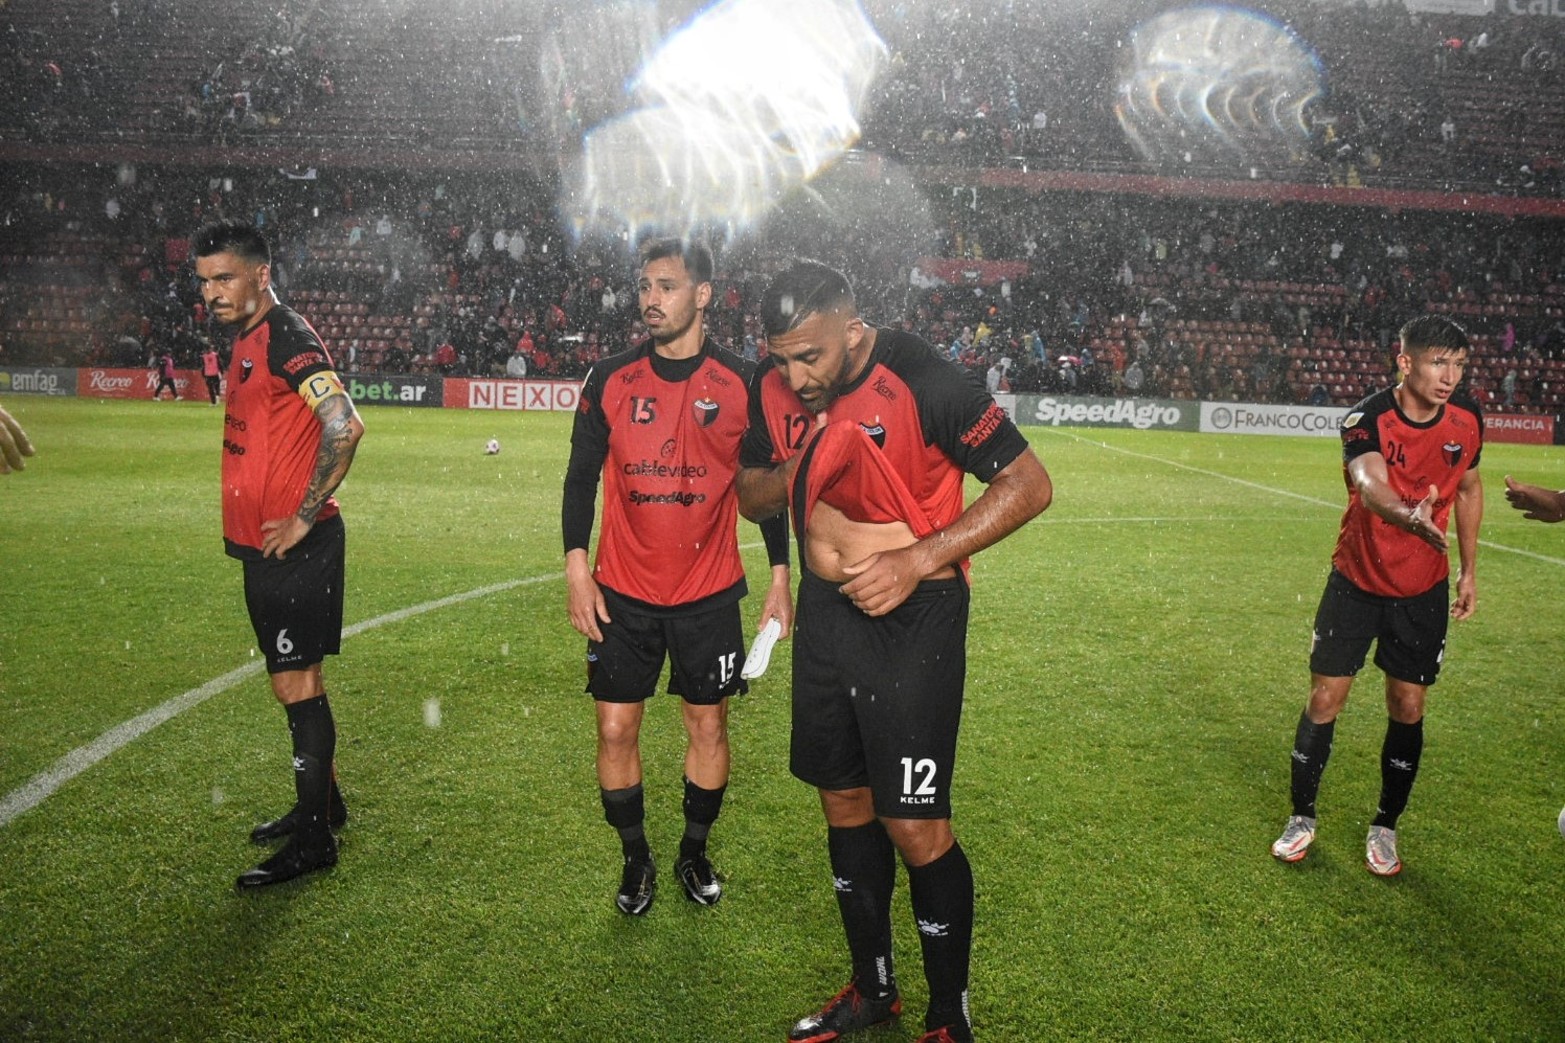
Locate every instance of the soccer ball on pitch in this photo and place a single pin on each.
(491, 447)
(1562, 822)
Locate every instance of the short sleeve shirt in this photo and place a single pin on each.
(1376, 556)
(271, 438)
(932, 420)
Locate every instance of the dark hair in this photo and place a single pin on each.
(230, 236)
(697, 256)
(1432, 331)
(803, 289)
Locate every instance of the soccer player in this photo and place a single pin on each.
(14, 444)
(289, 435)
(166, 377)
(869, 433)
(212, 373)
(661, 423)
(1409, 457)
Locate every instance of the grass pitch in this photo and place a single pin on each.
(1137, 663)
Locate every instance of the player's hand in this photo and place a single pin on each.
(1540, 504)
(13, 444)
(1421, 522)
(584, 603)
(883, 580)
(281, 535)
(779, 603)
(1466, 596)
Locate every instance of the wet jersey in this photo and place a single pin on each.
(665, 434)
(271, 437)
(930, 419)
(1376, 556)
(843, 467)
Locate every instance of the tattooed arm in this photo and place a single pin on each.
(341, 430)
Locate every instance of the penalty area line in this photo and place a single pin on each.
(43, 785)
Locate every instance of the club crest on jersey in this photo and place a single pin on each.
(877, 434)
(1453, 453)
(245, 367)
(705, 411)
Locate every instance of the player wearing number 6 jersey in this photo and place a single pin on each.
(1409, 459)
(661, 423)
(289, 435)
(869, 435)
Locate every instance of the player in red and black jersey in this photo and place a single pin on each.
(289, 435)
(661, 423)
(870, 435)
(1409, 459)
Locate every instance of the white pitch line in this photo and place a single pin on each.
(1279, 492)
(41, 786)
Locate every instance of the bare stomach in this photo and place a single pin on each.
(833, 540)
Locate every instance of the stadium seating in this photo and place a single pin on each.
(402, 87)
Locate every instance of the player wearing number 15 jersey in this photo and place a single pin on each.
(661, 423)
(1410, 460)
(289, 435)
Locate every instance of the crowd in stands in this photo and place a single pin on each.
(256, 84)
(1119, 295)
(1404, 100)
(1116, 292)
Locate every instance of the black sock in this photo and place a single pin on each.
(1398, 768)
(314, 744)
(625, 810)
(1311, 748)
(864, 872)
(701, 810)
(943, 908)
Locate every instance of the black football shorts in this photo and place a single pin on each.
(295, 602)
(705, 653)
(877, 702)
(1409, 633)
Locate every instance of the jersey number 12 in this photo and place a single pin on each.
(926, 786)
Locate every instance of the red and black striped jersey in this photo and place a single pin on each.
(1376, 556)
(932, 420)
(271, 437)
(665, 434)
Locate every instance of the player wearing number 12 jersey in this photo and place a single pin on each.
(869, 435)
(661, 423)
(289, 436)
(1410, 460)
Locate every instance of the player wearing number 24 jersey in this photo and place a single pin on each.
(1410, 461)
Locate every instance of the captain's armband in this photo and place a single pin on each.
(318, 387)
